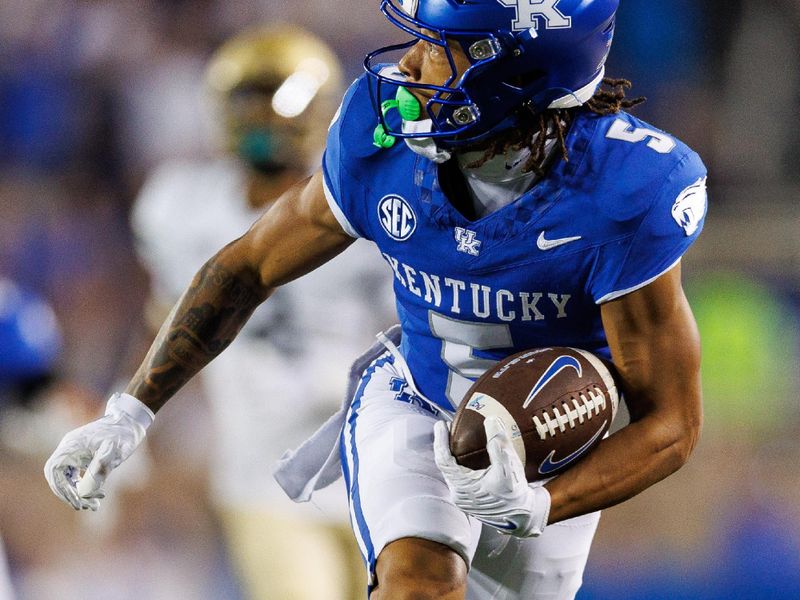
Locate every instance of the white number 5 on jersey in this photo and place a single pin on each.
(459, 339)
(658, 141)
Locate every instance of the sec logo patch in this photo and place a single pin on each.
(397, 217)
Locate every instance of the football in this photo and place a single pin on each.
(557, 403)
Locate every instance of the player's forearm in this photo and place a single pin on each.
(221, 298)
(656, 349)
(622, 466)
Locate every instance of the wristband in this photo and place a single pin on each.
(134, 408)
(541, 495)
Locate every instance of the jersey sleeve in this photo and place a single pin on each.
(338, 180)
(671, 223)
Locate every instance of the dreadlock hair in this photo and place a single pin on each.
(536, 129)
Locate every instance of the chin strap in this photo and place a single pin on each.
(424, 146)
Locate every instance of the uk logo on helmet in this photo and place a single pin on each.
(397, 217)
(528, 10)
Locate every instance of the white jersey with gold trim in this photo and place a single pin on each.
(287, 369)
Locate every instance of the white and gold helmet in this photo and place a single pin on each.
(276, 89)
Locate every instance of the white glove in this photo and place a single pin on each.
(97, 448)
(499, 495)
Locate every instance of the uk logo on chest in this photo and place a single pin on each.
(468, 241)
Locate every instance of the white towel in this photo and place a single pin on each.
(316, 463)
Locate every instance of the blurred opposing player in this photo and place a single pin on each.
(275, 91)
(526, 208)
(30, 344)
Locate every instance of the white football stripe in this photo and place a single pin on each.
(608, 379)
(489, 407)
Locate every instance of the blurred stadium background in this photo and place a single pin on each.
(94, 93)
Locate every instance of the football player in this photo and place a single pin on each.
(518, 205)
(274, 90)
(31, 343)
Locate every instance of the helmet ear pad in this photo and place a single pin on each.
(503, 87)
(521, 77)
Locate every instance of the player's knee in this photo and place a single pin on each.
(417, 569)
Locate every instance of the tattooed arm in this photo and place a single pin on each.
(296, 235)
(200, 326)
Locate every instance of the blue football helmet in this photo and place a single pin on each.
(30, 339)
(538, 54)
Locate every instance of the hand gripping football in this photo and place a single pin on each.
(556, 403)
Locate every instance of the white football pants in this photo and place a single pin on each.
(396, 490)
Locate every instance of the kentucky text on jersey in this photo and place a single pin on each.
(477, 299)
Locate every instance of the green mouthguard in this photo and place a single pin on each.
(408, 107)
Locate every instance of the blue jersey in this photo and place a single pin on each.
(622, 211)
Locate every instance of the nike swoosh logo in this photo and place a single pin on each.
(559, 364)
(507, 525)
(544, 244)
(549, 465)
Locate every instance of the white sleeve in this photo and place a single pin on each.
(337, 212)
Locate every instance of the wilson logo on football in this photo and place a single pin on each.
(397, 217)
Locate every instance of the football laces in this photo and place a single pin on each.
(574, 410)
